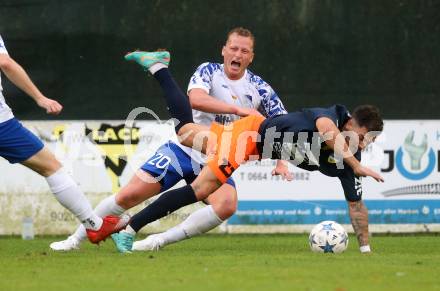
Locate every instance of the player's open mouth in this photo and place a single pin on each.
(235, 64)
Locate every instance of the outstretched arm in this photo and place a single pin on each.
(359, 220)
(200, 100)
(336, 141)
(282, 169)
(18, 76)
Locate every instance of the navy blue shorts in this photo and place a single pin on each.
(170, 164)
(17, 144)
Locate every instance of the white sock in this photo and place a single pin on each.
(129, 230)
(67, 192)
(105, 207)
(200, 221)
(365, 249)
(156, 67)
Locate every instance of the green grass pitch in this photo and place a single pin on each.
(224, 262)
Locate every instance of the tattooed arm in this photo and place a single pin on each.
(359, 219)
(357, 210)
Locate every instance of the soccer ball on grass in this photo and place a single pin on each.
(328, 237)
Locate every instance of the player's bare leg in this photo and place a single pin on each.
(224, 201)
(189, 134)
(43, 162)
(222, 205)
(141, 187)
(194, 136)
(359, 220)
(67, 192)
(205, 184)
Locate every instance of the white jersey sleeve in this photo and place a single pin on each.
(251, 91)
(2, 46)
(5, 110)
(202, 77)
(271, 105)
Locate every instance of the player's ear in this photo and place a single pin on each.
(350, 124)
(223, 51)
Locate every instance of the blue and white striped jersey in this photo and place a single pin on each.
(5, 111)
(250, 91)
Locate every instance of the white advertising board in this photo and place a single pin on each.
(407, 154)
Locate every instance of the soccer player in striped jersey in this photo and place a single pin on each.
(312, 139)
(218, 92)
(19, 145)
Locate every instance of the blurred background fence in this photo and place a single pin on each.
(313, 52)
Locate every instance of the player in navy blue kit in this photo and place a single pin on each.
(310, 138)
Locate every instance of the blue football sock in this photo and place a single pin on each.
(177, 102)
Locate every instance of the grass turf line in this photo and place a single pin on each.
(223, 262)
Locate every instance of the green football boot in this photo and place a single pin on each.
(123, 241)
(147, 59)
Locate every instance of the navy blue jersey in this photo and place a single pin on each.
(294, 137)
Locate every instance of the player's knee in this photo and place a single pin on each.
(225, 207)
(225, 213)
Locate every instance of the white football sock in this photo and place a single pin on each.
(109, 206)
(365, 249)
(129, 230)
(200, 221)
(67, 192)
(106, 207)
(156, 67)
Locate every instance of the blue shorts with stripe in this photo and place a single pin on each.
(170, 164)
(17, 144)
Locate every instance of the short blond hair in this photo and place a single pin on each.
(241, 31)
